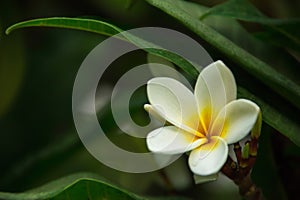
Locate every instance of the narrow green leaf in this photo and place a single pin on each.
(278, 120)
(260, 48)
(71, 23)
(265, 172)
(261, 70)
(265, 73)
(287, 29)
(244, 10)
(275, 38)
(104, 28)
(77, 187)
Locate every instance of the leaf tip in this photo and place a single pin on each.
(9, 30)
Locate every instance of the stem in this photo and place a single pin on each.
(167, 181)
(241, 176)
(240, 171)
(249, 190)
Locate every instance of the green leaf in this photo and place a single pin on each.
(77, 186)
(265, 73)
(240, 9)
(276, 119)
(275, 38)
(265, 172)
(261, 70)
(104, 28)
(256, 67)
(71, 23)
(286, 29)
(232, 29)
(158, 71)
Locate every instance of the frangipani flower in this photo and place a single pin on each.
(204, 122)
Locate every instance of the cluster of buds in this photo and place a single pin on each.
(240, 171)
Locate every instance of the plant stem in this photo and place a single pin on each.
(248, 189)
(167, 181)
(241, 176)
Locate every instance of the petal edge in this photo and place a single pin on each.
(209, 158)
(174, 102)
(235, 120)
(172, 140)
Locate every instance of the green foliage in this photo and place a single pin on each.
(77, 186)
(265, 171)
(265, 73)
(286, 30)
(256, 66)
(219, 26)
(276, 119)
(72, 23)
(104, 28)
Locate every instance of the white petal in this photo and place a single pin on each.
(209, 158)
(172, 140)
(160, 116)
(152, 111)
(174, 102)
(214, 88)
(235, 120)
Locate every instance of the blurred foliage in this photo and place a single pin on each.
(38, 66)
(77, 186)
